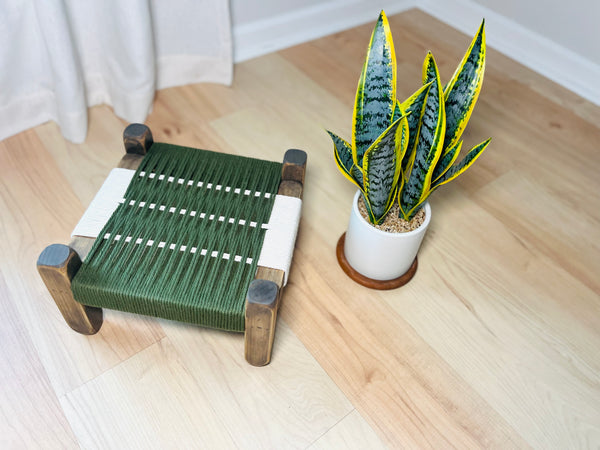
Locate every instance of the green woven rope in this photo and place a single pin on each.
(165, 206)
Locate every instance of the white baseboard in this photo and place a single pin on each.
(538, 53)
(285, 30)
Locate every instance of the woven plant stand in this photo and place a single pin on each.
(194, 236)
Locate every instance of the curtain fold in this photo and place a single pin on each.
(58, 57)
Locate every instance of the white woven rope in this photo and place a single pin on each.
(181, 248)
(104, 203)
(193, 213)
(280, 237)
(216, 187)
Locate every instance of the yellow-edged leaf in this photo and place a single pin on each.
(381, 169)
(376, 92)
(343, 158)
(462, 91)
(446, 161)
(466, 162)
(429, 145)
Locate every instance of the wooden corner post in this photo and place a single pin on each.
(57, 266)
(292, 173)
(261, 317)
(264, 293)
(137, 138)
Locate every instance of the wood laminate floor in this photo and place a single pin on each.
(495, 342)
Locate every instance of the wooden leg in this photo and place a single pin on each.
(57, 266)
(262, 303)
(137, 138)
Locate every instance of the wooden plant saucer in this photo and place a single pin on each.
(381, 285)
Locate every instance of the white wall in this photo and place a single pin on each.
(574, 24)
(263, 26)
(244, 12)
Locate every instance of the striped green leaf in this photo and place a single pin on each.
(343, 158)
(429, 143)
(403, 135)
(381, 168)
(414, 108)
(397, 111)
(461, 92)
(368, 207)
(376, 93)
(446, 161)
(459, 168)
(357, 174)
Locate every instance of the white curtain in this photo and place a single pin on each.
(58, 57)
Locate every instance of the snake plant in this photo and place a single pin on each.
(403, 151)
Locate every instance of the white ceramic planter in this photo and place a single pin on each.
(377, 254)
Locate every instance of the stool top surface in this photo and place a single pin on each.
(184, 242)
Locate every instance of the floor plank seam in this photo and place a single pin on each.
(330, 428)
